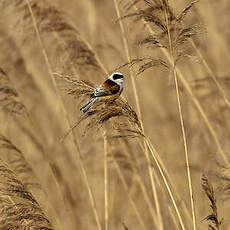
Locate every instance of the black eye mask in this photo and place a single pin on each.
(117, 76)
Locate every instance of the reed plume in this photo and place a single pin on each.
(213, 218)
(88, 171)
(9, 100)
(18, 207)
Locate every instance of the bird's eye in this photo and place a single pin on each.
(117, 76)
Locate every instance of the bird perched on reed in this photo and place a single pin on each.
(112, 86)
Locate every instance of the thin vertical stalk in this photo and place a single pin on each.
(106, 199)
(153, 152)
(164, 169)
(173, 217)
(181, 121)
(125, 43)
(139, 218)
(186, 153)
(82, 167)
(143, 189)
(210, 71)
(192, 96)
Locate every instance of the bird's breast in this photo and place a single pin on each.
(111, 86)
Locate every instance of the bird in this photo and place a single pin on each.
(112, 86)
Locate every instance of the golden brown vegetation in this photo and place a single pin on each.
(133, 162)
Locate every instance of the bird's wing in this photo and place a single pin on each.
(100, 92)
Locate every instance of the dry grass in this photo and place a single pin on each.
(132, 162)
(19, 209)
(215, 223)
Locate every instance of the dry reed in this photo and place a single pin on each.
(9, 100)
(170, 35)
(209, 192)
(137, 101)
(49, 67)
(18, 208)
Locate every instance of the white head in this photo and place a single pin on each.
(117, 77)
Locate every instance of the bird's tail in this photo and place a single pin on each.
(86, 107)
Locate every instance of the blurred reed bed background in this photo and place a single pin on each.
(157, 157)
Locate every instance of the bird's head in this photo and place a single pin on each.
(117, 77)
